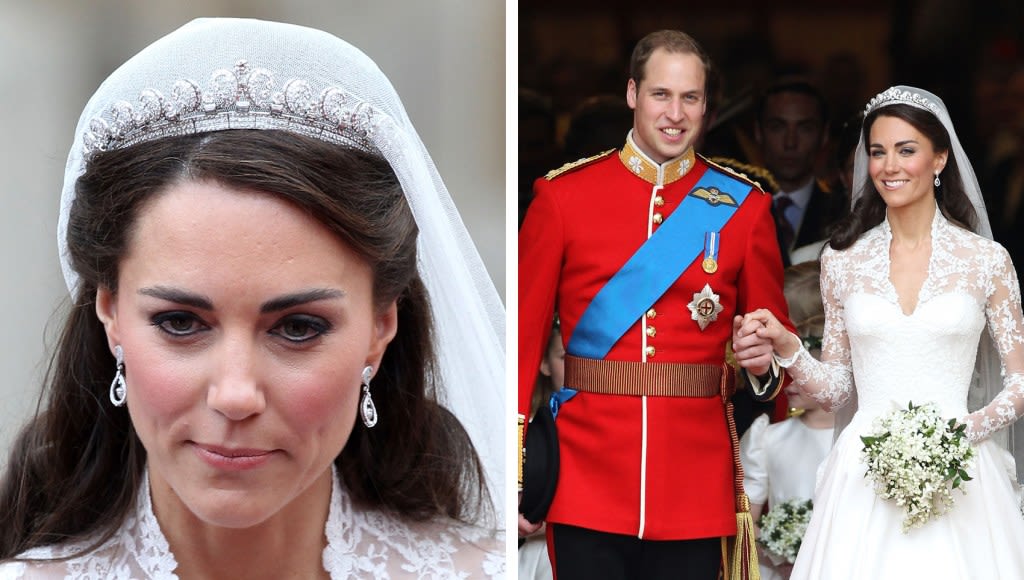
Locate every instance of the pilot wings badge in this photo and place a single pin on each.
(714, 196)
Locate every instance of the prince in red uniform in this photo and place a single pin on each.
(649, 252)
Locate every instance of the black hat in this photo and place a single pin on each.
(540, 467)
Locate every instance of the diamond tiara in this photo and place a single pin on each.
(240, 98)
(895, 96)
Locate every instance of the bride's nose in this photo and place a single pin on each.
(234, 389)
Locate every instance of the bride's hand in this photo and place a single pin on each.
(764, 324)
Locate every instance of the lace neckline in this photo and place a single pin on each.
(939, 227)
(361, 543)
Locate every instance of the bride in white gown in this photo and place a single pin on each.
(909, 283)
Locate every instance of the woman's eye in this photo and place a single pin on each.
(178, 323)
(301, 328)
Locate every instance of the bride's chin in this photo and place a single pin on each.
(241, 514)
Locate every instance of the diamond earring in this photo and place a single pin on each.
(118, 388)
(366, 407)
(937, 182)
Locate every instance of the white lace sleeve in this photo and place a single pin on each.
(830, 380)
(1006, 327)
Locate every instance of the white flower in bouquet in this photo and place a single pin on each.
(783, 527)
(916, 458)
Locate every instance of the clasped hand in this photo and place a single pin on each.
(756, 336)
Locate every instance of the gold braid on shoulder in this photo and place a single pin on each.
(754, 172)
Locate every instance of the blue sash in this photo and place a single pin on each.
(653, 268)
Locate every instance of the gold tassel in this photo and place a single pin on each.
(521, 420)
(744, 556)
(741, 563)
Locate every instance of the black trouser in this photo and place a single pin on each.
(587, 554)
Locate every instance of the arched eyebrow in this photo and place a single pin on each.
(898, 143)
(178, 296)
(201, 302)
(299, 298)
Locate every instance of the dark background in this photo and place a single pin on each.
(970, 53)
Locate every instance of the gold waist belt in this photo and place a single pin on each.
(648, 379)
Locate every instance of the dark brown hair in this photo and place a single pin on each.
(799, 86)
(673, 41)
(75, 469)
(869, 211)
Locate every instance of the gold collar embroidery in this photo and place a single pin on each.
(643, 167)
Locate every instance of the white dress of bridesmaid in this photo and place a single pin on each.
(780, 463)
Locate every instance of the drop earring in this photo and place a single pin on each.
(366, 407)
(937, 182)
(118, 388)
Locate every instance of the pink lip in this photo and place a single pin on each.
(232, 458)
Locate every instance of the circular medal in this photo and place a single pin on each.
(710, 265)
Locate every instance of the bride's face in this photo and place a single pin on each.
(902, 162)
(245, 325)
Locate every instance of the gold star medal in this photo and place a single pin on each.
(705, 307)
(710, 263)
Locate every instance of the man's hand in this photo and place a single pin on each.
(527, 528)
(753, 351)
(767, 327)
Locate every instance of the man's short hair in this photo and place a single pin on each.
(799, 86)
(673, 41)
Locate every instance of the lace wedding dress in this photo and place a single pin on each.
(360, 544)
(925, 355)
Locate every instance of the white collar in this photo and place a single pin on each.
(800, 196)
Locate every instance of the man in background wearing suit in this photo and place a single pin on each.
(792, 131)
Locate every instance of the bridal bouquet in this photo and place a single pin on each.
(783, 527)
(917, 458)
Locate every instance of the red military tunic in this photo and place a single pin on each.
(654, 467)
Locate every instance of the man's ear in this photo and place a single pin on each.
(106, 311)
(631, 94)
